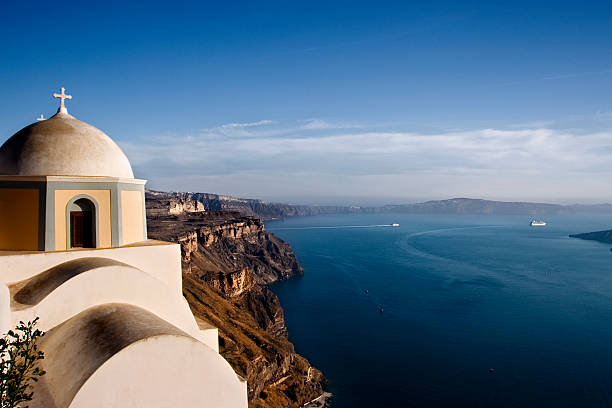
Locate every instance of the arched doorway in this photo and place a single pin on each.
(82, 224)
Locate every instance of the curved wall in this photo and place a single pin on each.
(5, 309)
(67, 292)
(160, 376)
(159, 259)
(119, 355)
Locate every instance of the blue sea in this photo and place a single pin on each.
(461, 295)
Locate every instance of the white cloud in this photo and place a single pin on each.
(247, 124)
(318, 124)
(483, 161)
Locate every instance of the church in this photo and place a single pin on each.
(74, 252)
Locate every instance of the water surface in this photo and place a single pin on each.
(461, 295)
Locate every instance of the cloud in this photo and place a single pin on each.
(556, 77)
(260, 129)
(245, 125)
(295, 153)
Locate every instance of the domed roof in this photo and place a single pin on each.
(63, 146)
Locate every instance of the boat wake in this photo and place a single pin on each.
(338, 227)
(442, 230)
(410, 245)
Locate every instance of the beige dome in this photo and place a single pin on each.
(63, 146)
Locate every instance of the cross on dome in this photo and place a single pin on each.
(62, 96)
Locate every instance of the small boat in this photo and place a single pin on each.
(395, 225)
(366, 291)
(381, 310)
(535, 223)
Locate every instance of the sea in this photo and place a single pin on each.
(452, 310)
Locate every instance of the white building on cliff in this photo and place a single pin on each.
(74, 252)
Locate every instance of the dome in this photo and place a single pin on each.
(63, 146)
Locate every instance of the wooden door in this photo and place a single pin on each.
(81, 229)
(76, 229)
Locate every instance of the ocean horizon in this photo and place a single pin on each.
(452, 310)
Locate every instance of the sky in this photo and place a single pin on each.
(330, 102)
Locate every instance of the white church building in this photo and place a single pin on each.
(74, 252)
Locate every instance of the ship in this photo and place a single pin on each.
(535, 223)
(395, 225)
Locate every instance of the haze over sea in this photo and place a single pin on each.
(461, 295)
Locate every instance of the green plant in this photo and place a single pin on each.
(19, 356)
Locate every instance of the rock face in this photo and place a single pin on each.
(160, 203)
(211, 202)
(228, 259)
(600, 236)
(164, 204)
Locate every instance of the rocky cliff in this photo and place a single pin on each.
(176, 203)
(228, 259)
(163, 203)
(600, 236)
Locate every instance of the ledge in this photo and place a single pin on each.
(79, 179)
(146, 243)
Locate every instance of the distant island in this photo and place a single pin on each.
(180, 202)
(486, 207)
(599, 236)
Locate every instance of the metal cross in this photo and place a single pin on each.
(62, 96)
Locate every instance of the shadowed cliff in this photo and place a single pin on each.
(177, 203)
(163, 203)
(599, 236)
(228, 259)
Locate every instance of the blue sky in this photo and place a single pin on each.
(345, 102)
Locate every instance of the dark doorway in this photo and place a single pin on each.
(82, 224)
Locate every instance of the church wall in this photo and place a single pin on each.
(159, 259)
(132, 216)
(19, 220)
(182, 370)
(103, 285)
(132, 352)
(102, 197)
(5, 309)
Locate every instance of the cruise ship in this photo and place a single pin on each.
(535, 223)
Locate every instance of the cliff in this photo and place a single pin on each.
(600, 236)
(489, 207)
(161, 203)
(164, 203)
(228, 259)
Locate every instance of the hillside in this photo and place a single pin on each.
(163, 203)
(484, 207)
(600, 236)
